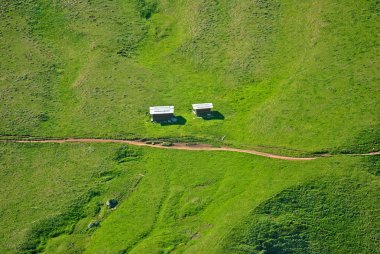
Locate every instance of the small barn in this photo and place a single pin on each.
(161, 113)
(202, 109)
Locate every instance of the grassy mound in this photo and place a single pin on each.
(328, 215)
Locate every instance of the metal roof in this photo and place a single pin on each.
(202, 106)
(160, 110)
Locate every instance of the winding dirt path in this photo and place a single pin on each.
(177, 146)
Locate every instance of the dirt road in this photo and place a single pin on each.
(177, 146)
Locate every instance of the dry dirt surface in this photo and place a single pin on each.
(177, 146)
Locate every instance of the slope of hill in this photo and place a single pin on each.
(285, 77)
(182, 201)
(294, 75)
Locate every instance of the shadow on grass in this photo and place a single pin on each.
(177, 120)
(213, 115)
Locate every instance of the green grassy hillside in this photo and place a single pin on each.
(283, 74)
(182, 201)
(287, 77)
(321, 216)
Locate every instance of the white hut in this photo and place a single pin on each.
(202, 108)
(161, 113)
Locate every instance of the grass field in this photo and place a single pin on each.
(215, 202)
(293, 75)
(287, 77)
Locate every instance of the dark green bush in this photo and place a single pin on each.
(167, 144)
(147, 8)
(126, 153)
